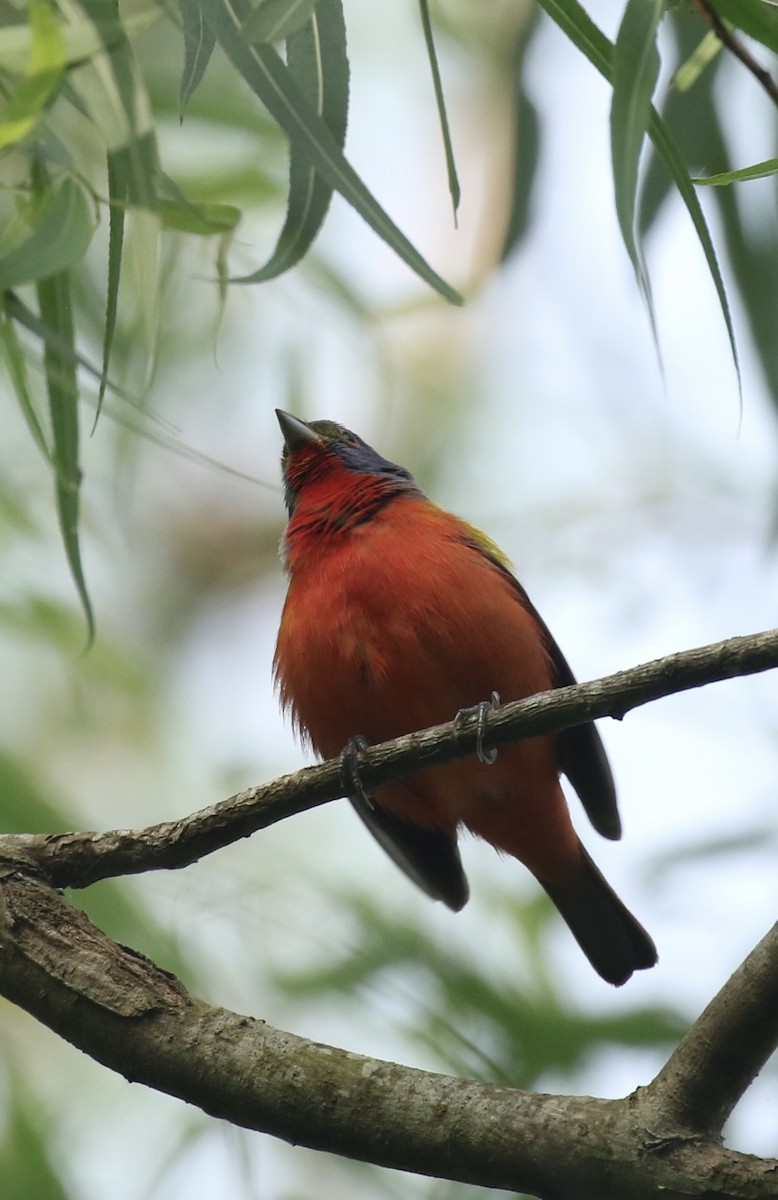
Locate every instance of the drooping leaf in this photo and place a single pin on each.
(58, 239)
(757, 18)
(43, 73)
(113, 92)
(693, 118)
(526, 146)
(198, 48)
(316, 59)
(758, 170)
(451, 167)
(147, 425)
(56, 311)
(203, 220)
(576, 23)
(117, 200)
(701, 57)
(270, 80)
(666, 145)
(275, 20)
(29, 320)
(17, 369)
(635, 67)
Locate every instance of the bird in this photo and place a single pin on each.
(398, 616)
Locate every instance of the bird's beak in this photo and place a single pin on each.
(296, 432)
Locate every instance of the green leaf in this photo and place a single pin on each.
(689, 72)
(665, 144)
(757, 18)
(525, 148)
(198, 47)
(57, 313)
(25, 317)
(635, 68)
(44, 71)
(203, 220)
(576, 23)
(17, 369)
(147, 425)
(316, 59)
(115, 95)
(451, 168)
(112, 92)
(58, 239)
(759, 170)
(274, 20)
(271, 81)
(117, 199)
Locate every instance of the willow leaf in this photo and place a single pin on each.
(271, 81)
(758, 170)
(17, 369)
(576, 23)
(43, 73)
(635, 72)
(451, 167)
(317, 60)
(56, 311)
(57, 240)
(198, 47)
(275, 20)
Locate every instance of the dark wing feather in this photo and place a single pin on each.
(581, 754)
(428, 857)
(582, 757)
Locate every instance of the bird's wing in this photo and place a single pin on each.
(428, 857)
(581, 754)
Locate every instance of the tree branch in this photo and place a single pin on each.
(135, 1018)
(128, 1014)
(726, 1047)
(79, 859)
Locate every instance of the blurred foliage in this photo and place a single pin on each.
(25, 1155)
(125, 237)
(88, 96)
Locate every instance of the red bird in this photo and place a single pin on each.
(398, 616)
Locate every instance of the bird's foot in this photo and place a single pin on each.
(349, 768)
(481, 711)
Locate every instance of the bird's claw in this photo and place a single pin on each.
(481, 711)
(349, 768)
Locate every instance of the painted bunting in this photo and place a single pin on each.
(398, 616)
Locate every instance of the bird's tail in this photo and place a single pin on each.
(610, 937)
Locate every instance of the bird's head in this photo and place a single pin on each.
(325, 452)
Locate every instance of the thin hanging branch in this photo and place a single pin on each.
(733, 43)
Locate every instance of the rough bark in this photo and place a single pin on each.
(126, 1012)
(137, 1019)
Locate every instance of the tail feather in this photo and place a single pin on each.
(615, 943)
